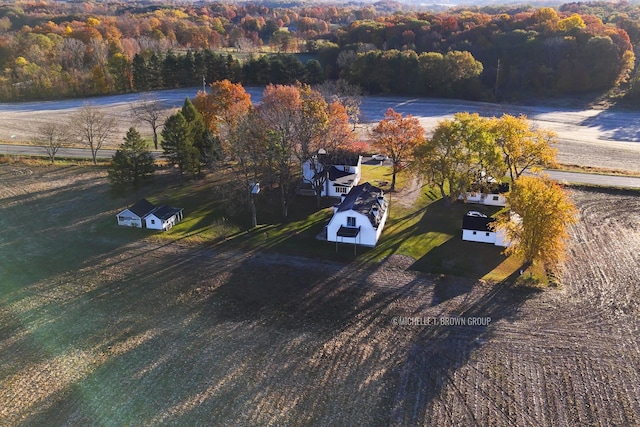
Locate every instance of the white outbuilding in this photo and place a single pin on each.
(135, 215)
(163, 218)
(478, 227)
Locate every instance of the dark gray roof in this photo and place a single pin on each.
(478, 223)
(142, 208)
(490, 187)
(165, 212)
(361, 198)
(341, 177)
(339, 157)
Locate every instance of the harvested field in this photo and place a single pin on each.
(103, 326)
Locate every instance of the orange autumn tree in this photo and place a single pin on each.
(397, 137)
(223, 107)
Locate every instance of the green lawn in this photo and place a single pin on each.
(380, 176)
(429, 232)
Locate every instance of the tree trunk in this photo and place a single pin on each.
(393, 179)
(254, 219)
(283, 201)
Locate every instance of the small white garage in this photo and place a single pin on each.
(163, 218)
(477, 227)
(134, 215)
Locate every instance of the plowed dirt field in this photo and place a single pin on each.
(102, 327)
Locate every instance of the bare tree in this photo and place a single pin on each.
(151, 111)
(92, 127)
(344, 92)
(71, 53)
(51, 137)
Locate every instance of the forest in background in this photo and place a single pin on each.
(59, 49)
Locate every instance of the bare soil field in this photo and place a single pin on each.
(101, 325)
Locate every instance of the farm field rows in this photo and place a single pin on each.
(106, 326)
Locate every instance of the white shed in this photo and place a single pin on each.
(487, 193)
(135, 215)
(477, 227)
(163, 218)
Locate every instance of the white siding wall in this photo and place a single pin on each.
(366, 237)
(381, 225)
(333, 190)
(308, 173)
(486, 199)
(479, 236)
(495, 200)
(129, 219)
(501, 238)
(155, 223)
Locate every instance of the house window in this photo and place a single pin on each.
(487, 234)
(345, 168)
(474, 233)
(342, 190)
(153, 221)
(495, 197)
(351, 221)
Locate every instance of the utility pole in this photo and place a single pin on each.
(497, 78)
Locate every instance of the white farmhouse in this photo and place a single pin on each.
(360, 217)
(338, 173)
(477, 227)
(163, 218)
(134, 216)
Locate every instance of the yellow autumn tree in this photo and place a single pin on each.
(540, 229)
(523, 147)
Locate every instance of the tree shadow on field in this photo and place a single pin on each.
(426, 381)
(617, 125)
(199, 335)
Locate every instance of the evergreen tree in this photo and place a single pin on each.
(170, 70)
(201, 139)
(140, 73)
(132, 163)
(178, 145)
(314, 72)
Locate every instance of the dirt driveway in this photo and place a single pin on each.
(100, 327)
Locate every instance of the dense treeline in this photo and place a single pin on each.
(53, 49)
(540, 51)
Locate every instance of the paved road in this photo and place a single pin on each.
(31, 150)
(599, 138)
(560, 176)
(595, 179)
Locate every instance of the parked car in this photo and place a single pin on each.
(379, 157)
